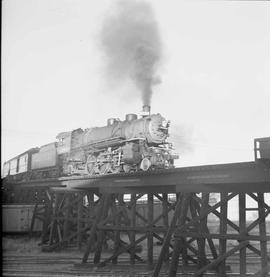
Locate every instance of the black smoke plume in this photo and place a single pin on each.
(131, 42)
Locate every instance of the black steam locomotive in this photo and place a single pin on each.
(121, 146)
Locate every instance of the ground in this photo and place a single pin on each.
(24, 254)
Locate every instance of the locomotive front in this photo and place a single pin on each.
(124, 146)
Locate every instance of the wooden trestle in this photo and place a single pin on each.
(167, 226)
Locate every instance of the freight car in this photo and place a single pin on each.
(122, 146)
(33, 164)
(17, 219)
(18, 168)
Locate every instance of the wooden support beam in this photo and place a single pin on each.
(33, 219)
(133, 224)
(67, 211)
(190, 247)
(223, 231)
(242, 226)
(80, 223)
(194, 214)
(55, 233)
(256, 198)
(101, 233)
(91, 205)
(102, 224)
(165, 213)
(93, 231)
(162, 215)
(258, 220)
(70, 237)
(150, 209)
(167, 239)
(204, 206)
(166, 200)
(215, 212)
(237, 237)
(257, 251)
(208, 211)
(179, 243)
(123, 249)
(204, 214)
(221, 258)
(262, 230)
(139, 195)
(116, 234)
(202, 228)
(125, 214)
(46, 215)
(249, 228)
(112, 226)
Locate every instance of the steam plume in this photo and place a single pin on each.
(181, 137)
(132, 46)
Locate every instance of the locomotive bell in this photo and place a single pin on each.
(111, 121)
(131, 116)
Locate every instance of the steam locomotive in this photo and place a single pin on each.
(122, 146)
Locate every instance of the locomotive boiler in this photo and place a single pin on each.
(121, 146)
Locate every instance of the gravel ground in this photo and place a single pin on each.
(22, 254)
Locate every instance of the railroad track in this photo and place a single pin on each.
(52, 266)
(140, 173)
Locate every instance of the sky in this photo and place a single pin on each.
(215, 72)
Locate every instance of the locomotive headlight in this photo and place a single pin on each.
(165, 124)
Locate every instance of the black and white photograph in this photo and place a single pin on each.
(135, 138)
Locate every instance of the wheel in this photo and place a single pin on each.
(104, 168)
(91, 164)
(126, 168)
(70, 169)
(115, 169)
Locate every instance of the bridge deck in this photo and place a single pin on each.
(234, 177)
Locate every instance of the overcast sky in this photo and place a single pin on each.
(215, 75)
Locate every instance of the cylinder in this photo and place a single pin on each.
(131, 116)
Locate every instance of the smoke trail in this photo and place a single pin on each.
(132, 46)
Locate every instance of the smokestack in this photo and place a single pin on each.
(146, 110)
